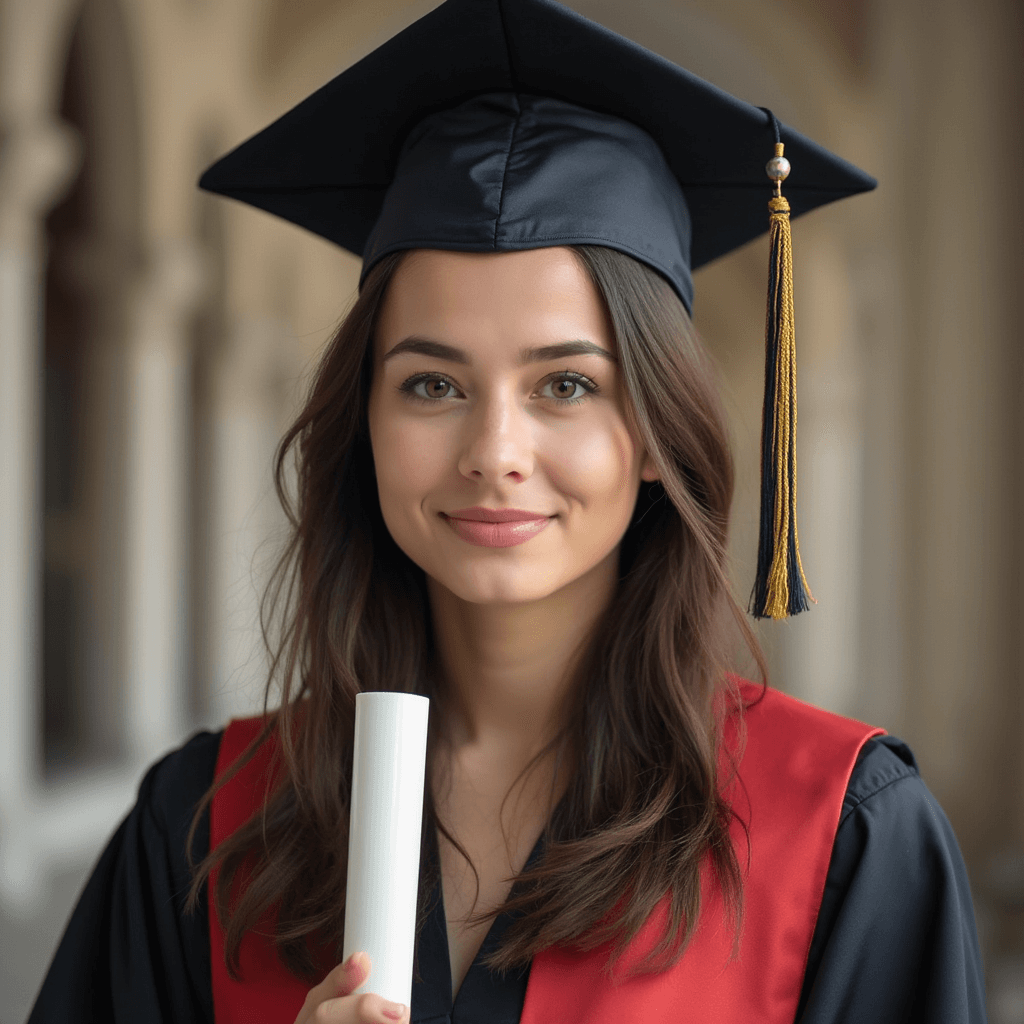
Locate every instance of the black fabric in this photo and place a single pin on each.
(895, 939)
(484, 997)
(329, 164)
(129, 953)
(508, 171)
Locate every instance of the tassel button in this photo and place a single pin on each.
(778, 168)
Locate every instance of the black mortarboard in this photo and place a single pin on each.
(496, 125)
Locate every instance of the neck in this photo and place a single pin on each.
(508, 668)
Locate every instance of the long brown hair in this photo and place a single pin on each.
(643, 809)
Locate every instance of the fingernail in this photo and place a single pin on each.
(354, 962)
(394, 1011)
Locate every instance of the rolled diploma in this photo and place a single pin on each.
(384, 838)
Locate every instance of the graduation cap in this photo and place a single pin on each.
(500, 125)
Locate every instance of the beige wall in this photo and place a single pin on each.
(910, 373)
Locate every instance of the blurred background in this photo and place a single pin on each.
(155, 342)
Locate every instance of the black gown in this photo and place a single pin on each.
(895, 939)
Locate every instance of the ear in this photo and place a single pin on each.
(648, 472)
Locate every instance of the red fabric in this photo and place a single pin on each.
(792, 781)
(793, 776)
(267, 992)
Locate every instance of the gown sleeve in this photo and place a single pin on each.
(896, 939)
(129, 952)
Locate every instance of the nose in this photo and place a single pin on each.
(498, 440)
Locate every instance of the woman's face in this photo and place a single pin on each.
(483, 397)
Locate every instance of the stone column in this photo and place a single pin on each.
(821, 654)
(38, 160)
(155, 712)
(245, 515)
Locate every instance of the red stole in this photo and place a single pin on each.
(794, 774)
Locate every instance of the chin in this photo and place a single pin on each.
(501, 587)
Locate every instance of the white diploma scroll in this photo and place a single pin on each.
(384, 838)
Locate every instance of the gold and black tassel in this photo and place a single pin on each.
(780, 588)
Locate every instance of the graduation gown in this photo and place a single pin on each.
(893, 937)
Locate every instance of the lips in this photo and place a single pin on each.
(496, 527)
(480, 514)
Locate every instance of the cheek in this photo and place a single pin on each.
(597, 466)
(408, 462)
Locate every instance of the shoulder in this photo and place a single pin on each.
(895, 851)
(789, 747)
(236, 737)
(251, 783)
(885, 773)
(132, 949)
(882, 761)
(184, 767)
(888, 805)
(172, 787)
(768, 710)
(884, 794)
(895, 932)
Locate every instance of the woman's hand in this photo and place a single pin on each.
(331, 1003)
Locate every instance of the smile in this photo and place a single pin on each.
(496, 535)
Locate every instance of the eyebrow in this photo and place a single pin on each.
(538, 354)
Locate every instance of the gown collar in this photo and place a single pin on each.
(485, 997)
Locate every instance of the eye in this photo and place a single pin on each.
(567, 387)
(433, 382)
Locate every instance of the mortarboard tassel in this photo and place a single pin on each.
(780, 588)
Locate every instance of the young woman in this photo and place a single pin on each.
(514, 485)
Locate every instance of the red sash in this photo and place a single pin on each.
(793, 778)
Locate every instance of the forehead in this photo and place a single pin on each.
(517, 297)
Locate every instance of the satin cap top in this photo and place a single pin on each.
(507, 171)
(499, 125)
